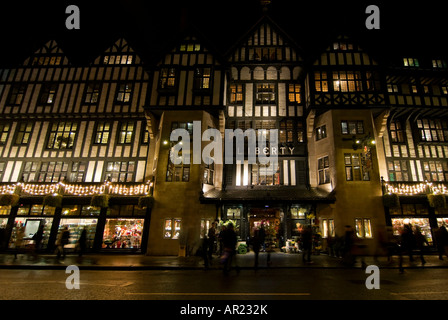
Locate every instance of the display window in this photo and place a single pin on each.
(123, 233)
(5, 210)
(75, 227)
(25, 228)
(442, 222)
(423, 223)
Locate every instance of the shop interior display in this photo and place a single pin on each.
(123, 233)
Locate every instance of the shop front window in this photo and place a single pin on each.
(4, 210)
(27, 227)
(422, 223)
(125, 233)
(76, 227)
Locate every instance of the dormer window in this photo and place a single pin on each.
(410, 62)
(190, 47)
(439, 64)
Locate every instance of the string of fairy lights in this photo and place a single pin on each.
(416, 189)
(117, 189)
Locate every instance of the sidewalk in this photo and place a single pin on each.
(245, 261)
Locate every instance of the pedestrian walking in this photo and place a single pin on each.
(229, 240)
(18, 243)
(62, 240)
(82, 242)
(256, 245)
(441, 235)
(220, 235)
(37, 237)
(407, 245)
(211, 240)
(262, 234)
(307, 241)
(349, 243)
(420, 241)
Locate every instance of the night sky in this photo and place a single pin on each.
(407, 27)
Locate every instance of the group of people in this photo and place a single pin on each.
(227, 241)
(36, 241)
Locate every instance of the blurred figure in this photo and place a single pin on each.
(441, 235)
(62, 240)
(229, 240)
(220, 235)
(407, 244)
(349, 242)
(211, 240)
(256, 245)
(307, 241)
(20, 233)
(82, 242)
(37, 237)
(420, 241)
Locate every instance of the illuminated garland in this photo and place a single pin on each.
(416, 189)
(116, 189)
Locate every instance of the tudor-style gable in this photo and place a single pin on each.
(188, 75)
(344, 75)
(49, 54)
(120, 53)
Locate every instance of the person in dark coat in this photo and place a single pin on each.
(229, 241)
(420, 242)
(441, 235)
(82, 242)
(256, 245)
(307, 241)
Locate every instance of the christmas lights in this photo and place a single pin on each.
(108, 187)
(416, 189)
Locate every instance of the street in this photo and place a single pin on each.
(265, 284)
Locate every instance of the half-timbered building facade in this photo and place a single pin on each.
(96, 146)
(76, 131)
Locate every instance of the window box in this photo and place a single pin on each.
(53, 201)
(9, 200)
(437, 200)
(391, 200)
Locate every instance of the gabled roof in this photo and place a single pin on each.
(258, 28)
(120, 47)
(49, 54)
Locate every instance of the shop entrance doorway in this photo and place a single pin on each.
(270, 220)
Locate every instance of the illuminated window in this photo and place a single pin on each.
(47, 94)
(46, 61)
(354, 169)
(320, 81)
(410, 62)
(16, 94)
(53, 171)
(62, 135)
(396, 130)
(92, 93)
(435, 170)
(78, 171)
(265, 93)
(124, 91)
(23, 134)
(190, 47)
(433, 130)
(29, 171)
(323, 167)
(103, 130)
(347, 81)
(126, 133)
(202, 78)
(120, 171)
(438, 63)
(352, 127)
(118, 59)
(294, 93)
(363, 228)
(167, 80)
(4, 131)
(236, 93)
(265, 174)
(398, 170)
(321, 132)
(209, 171)
(172, 228)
